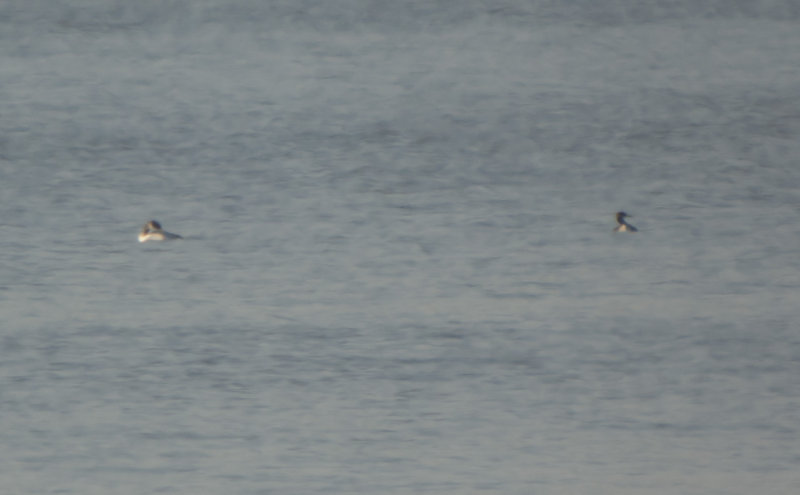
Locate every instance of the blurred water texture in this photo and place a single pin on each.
(399, 273)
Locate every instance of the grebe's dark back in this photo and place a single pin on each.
(152, 231)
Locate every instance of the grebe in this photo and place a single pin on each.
(152, 231)
(623, 225)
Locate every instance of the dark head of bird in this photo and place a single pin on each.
(621, 216)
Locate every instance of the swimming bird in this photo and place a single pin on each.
(152, 231)
(623, 225)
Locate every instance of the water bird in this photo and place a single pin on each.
(623, 225)
(152, 231)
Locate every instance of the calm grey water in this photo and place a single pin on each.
(399, 273)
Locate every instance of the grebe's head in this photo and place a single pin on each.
(621, 216)
(153, 225)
